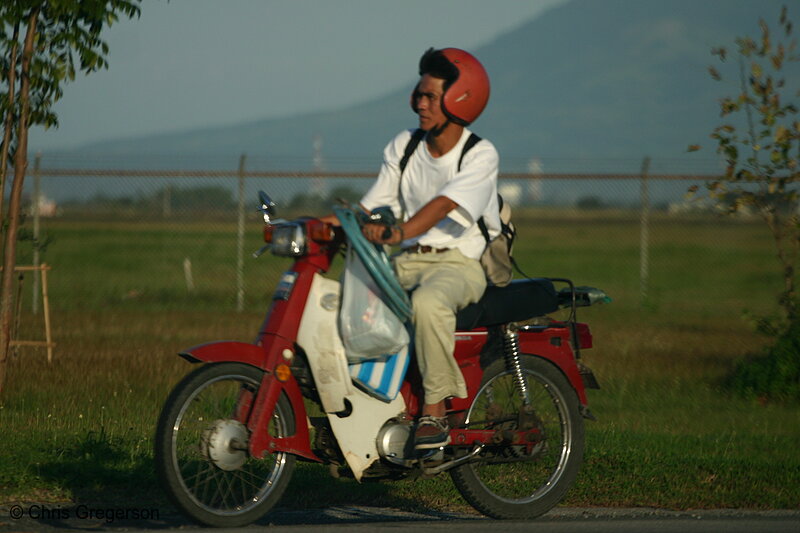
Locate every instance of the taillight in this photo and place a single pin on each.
(584, 336)
(268, 229)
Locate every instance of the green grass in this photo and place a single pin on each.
(133, 265)
(668, 435)
(705, 267)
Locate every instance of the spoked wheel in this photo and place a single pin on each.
(523, 480)
(201, 447)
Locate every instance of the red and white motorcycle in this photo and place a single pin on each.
(232, 430)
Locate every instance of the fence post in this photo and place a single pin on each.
(644, 241)
(166, 201)
(37, 198)
(240, 240)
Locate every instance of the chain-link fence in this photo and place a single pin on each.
(178, 234)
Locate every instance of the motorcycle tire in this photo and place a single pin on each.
(201, 451)
(522, 482)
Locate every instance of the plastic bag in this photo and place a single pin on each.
(369, 329)
(382, 379)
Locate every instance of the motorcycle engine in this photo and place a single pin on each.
(396, 442)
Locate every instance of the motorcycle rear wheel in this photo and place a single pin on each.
(201, 447)
(519, 482)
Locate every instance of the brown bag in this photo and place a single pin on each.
(496, 259)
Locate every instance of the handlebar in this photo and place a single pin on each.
(381, 215)
(292, 238)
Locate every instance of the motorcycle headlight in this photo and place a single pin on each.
(288, 240)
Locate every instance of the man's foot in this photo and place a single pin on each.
(431, 432)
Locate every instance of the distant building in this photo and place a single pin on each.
(47, 208)
(535, 183)
(511, 193)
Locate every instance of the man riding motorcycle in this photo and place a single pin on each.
(439, 194)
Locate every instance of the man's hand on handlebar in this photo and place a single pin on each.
(382, 234)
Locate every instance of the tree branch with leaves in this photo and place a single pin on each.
(61, 38)
(760, 141)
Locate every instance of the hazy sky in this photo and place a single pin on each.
(195, 63)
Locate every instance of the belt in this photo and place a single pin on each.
(423, 249)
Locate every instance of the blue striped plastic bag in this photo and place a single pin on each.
(382, 379)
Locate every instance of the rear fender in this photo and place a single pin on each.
(559, 354)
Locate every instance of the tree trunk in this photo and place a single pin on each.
(20, 166)
(9, 119)
(789, 298)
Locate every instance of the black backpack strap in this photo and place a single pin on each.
(516, 266)
(484, 229)
(482, 222)
(471, 141)
(413, 142)
(417, 137)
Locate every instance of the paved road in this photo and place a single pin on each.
(368, 519)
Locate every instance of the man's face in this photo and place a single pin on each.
(429, 103)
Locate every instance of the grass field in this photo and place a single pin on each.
(668, 435)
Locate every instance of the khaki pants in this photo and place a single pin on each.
(443, 283)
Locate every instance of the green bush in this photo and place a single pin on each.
(774, 375)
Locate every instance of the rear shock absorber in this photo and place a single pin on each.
(514, 364)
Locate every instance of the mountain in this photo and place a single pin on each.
(611, 80)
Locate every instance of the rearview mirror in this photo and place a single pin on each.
(267, 206)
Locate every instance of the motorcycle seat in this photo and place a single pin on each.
(517, 301)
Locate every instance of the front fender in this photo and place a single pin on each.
(226, 351)
(271, 388)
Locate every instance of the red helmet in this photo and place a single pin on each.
(466, 84)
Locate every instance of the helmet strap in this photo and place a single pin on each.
(438, 130)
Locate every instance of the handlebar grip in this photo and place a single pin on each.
(387, 233)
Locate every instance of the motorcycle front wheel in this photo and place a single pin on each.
(201, 447)
(520, 482)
